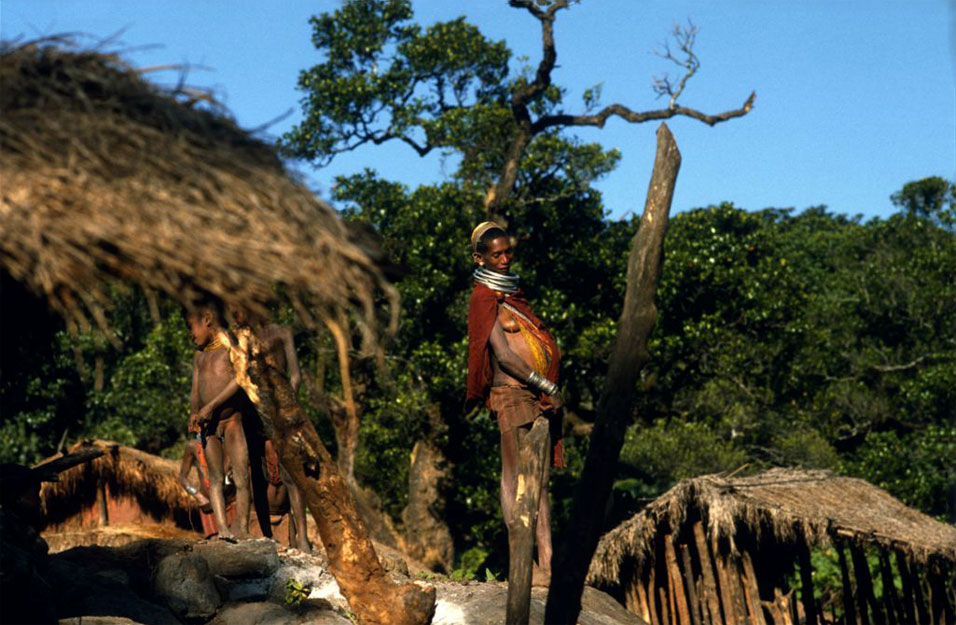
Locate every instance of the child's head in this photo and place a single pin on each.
(203, 322)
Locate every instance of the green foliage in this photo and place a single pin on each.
(296, 592)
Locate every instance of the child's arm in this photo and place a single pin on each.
(205, 413)
(194, 393)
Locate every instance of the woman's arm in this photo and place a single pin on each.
(513, 365)
(510, 362)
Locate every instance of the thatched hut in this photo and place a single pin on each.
(124, 486)
(724, 550)
(108, 180)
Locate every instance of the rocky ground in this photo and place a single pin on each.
(173, 582)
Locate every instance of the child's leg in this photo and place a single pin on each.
(214, 463)
(298, 536)
(235, 444)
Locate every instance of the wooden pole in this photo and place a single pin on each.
(102, 510)
(909, 599)
(533, 454)
(806, 582)
(942, 612)
(645, 601)
(676, 582)
(752, 589)
(615, 412)
(894, 613)
(656, 616)
(695, 610)
(665, 613)
(709, 585)
(864, 583)
(848, 608)
(730, 588)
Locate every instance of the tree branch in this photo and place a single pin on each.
(619, 110)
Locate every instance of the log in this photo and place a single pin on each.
(372, 596)
(688, 572)
(708, 586)
(848, 608)
(676, 582)
(864, 584)
(615, 409)
(533, 455)
(806, 582)
(909, 596)
(752, 590)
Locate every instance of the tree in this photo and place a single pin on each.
(932, 197)
(386, 80)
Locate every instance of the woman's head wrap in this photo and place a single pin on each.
(480, 229)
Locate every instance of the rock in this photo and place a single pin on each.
(82, 596)
(264, 613)
(247, 558)
(184, 583)
(484, 604)
(254, 589)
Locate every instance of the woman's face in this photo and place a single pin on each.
(498, 256)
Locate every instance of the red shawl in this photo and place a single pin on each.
(482, 314)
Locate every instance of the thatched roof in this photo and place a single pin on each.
(150, 480)
(787, 503)
(107, 179)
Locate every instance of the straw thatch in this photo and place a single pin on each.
(789, 504)
(107, 179)
(149, 480)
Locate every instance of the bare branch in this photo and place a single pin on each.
(619, 110)
(685, 37)
(549, 55)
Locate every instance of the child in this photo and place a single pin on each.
(217, 404)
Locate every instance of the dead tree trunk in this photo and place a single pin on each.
(533, 455)
(579, 541)
(374, 598)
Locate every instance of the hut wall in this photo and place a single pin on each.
(123, 510)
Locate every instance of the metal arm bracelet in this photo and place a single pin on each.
(541, 383)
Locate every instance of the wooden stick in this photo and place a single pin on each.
(909, 600)
(695, 611)
(730, 585)
(848, 608)
(864, 582)
(752, 590)
(102, 509)
(645, 612)
(656, 616)
(709, 585)
(891, 602)
(676, 582)
(806, 582)
(942, 612)
(665, 614)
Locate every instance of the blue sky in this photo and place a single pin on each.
(854, 98)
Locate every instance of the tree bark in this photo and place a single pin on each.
(373, 597)
(532, 456)
(579, 541)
